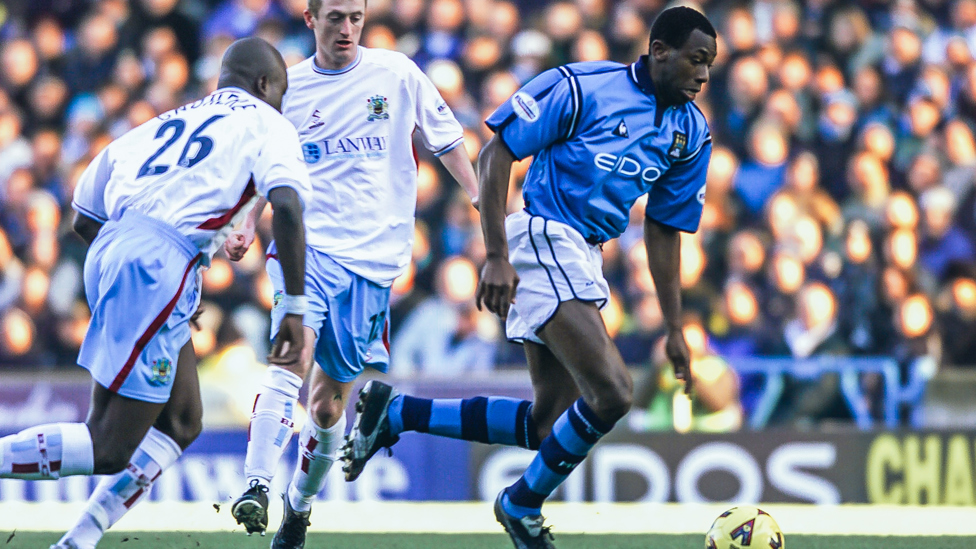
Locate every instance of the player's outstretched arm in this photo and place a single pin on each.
(289, 234)
(498, 278)
(240, 240)
(86, 227)
(457, 163)
(664, 260)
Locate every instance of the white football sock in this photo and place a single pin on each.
(48, 451)
(272, 424)
(316, 454)
(116, 494)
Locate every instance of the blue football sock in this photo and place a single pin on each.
(491, 420)
(574, 434)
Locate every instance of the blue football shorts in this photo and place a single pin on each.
(348, 313)
(142, 284)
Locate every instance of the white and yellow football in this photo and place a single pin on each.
(744, 527)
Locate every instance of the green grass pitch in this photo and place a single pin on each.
(156, 540)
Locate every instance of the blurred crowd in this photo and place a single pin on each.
(840, 216)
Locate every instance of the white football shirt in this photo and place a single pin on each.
(198, 167)
(356, 127)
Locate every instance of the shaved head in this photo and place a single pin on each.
(256, 67)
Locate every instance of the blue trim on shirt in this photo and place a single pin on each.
(344, 70)
(453, 145)
(577, 89)
(88, 213)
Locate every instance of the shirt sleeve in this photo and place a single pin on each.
(89, 196)
(441, 132)
(280, 162)
(677, 198)
(544, 111)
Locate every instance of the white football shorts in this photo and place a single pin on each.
(555, 264)
(141, 280)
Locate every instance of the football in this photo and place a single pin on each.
(744, 527)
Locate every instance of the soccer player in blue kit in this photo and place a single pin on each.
(602, 134)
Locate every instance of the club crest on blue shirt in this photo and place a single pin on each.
(378, 108)
(678, 144)
(162, 372)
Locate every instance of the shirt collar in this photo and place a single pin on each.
(343, 70)
(641, 75)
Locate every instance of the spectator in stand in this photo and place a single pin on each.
(660, 404)
(856, 289)
(89, 64)
(942, 243)
(960, 152)
(957, 317)
(785, 277)
(737, 326)
(812, 332)
(15, 151)
(762, 174)
(803, 186)
(240, 18)
(869, 185)
(746, 257)
(446, 336)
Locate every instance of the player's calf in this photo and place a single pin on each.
(183, 426)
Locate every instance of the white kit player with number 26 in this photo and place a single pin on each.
(356, 110)
(154, 206)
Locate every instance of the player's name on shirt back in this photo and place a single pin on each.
(231, 99)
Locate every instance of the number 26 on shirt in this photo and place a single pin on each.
(178, 126)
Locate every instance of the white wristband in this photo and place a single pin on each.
(295, 304)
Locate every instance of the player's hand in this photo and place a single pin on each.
(497, 286)
(288, 344)
(237, 244)
(677, 351)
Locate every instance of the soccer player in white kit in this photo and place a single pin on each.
(155, 205)
(356, 110)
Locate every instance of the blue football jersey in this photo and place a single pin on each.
(599, 142)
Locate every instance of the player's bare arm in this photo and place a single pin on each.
(86, 227)
(498, 278)
(664, 260)
(457, 163)
(289, 234)
(239, 241)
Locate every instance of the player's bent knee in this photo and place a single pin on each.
(612, 405)
(326, 413)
